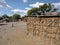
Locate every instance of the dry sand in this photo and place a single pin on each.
(17, 35)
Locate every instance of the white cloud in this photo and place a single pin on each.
(18, 10)
(56, 4)
(25, 1)
(22, 12)
(8, 6)
(4, 4)
(37, 4)
(27, 8)
(1, 6)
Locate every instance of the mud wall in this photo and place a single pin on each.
(46, 27)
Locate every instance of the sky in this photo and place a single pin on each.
(21, 7)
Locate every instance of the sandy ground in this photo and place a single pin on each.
(17, 35)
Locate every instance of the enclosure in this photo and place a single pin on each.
(47, 28)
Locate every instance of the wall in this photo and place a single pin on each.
(46, 27)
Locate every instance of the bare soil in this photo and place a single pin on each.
(17, 35)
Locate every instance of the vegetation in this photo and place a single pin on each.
(0, 18)
(16, 16)
(33, 11)
(42, 10)
(5, 17)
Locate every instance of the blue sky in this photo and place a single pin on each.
(21, 7)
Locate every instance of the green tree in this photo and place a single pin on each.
(42, 9)
(16, 16)
(5, 16)
(33, 11)
(47, 8)
(0, 18)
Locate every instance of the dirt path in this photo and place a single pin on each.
(16, 35)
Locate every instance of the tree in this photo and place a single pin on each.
(33, 11)
(0, 18)
(16, 16)
(5, 16)
(47, 8)
(42, 9)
